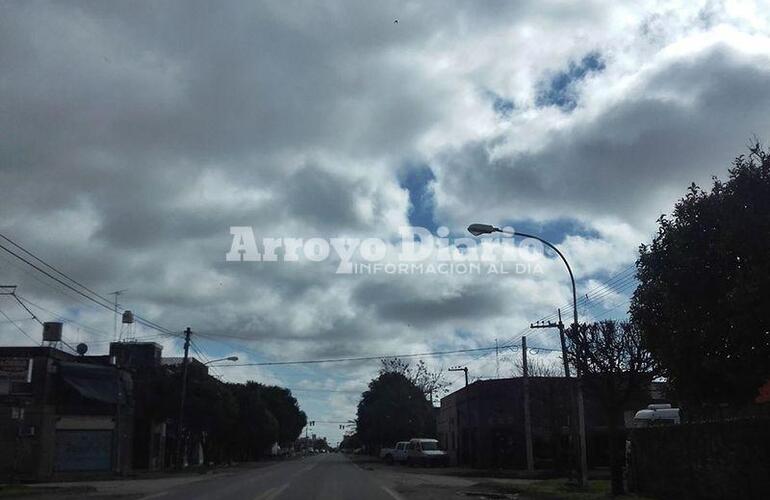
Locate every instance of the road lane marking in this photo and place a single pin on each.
(305, 469)
(392, 493)
(272, 493)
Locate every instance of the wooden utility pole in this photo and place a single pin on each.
(461, 369)
(527, 419)
(563, 340)
(577, 420)
(563, 346)
(180, 422)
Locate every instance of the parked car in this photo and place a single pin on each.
(426, 453)
(396, 454)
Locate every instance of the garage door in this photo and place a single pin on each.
(83, 450)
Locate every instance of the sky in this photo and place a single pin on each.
(134, 136)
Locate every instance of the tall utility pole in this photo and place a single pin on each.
(180, 422)
(478, 230)
(527, 419)
(461, 369)
(577, 423)
(497, 358)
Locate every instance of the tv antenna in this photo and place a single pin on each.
(115, 323)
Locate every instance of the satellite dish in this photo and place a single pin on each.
(81, 349)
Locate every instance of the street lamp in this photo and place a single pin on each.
(230, 358)
(478, 230)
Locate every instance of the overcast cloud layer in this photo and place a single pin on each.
(134, 135)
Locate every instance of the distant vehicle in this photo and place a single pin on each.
(396, 454)
(657, 414)
(426, 453)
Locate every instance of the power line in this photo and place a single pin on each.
(618, 281)
(206, 360)
(37, 268)
(370, 358)
(63, 318)
(18, 327)
(103, 302)
(299, 389)
(50, 266)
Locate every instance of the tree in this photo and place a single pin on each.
(256, 428)
(350, 442)
(537, 368)
(393, 409)
(211, 411)
(702, 296)
(284, 406)
(617, 367)
(430, 383)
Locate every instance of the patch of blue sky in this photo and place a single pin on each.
(559, 89)
(417, 179)
(502, 106)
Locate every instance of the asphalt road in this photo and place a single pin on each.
(321, 477)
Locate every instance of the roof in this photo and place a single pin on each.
(33, 351)
(176, 361)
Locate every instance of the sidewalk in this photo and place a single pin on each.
(140, 485)
(365, 460)
(458, 482)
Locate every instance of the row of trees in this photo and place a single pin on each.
(234, 421)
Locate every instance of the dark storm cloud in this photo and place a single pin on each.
(397, 302)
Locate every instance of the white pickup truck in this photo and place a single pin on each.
(396, 454)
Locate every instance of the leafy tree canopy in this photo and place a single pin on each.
(393, 409)
(703, 298)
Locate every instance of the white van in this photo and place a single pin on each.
(657, 414)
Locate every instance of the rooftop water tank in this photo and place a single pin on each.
(52, 331)
(128, 317)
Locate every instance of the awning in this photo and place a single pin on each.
(95, 382)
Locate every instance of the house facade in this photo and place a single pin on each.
(63, 415)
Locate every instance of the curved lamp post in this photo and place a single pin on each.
(478, 230)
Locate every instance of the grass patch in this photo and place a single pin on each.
(13, 490)
(562, 489)
(551, 489)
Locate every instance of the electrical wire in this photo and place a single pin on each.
(13, 322)
(103, 302)
(371, 358)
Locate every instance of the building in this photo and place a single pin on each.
(63, 415)
(143, 361)
(155, 423)
(482, 425)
